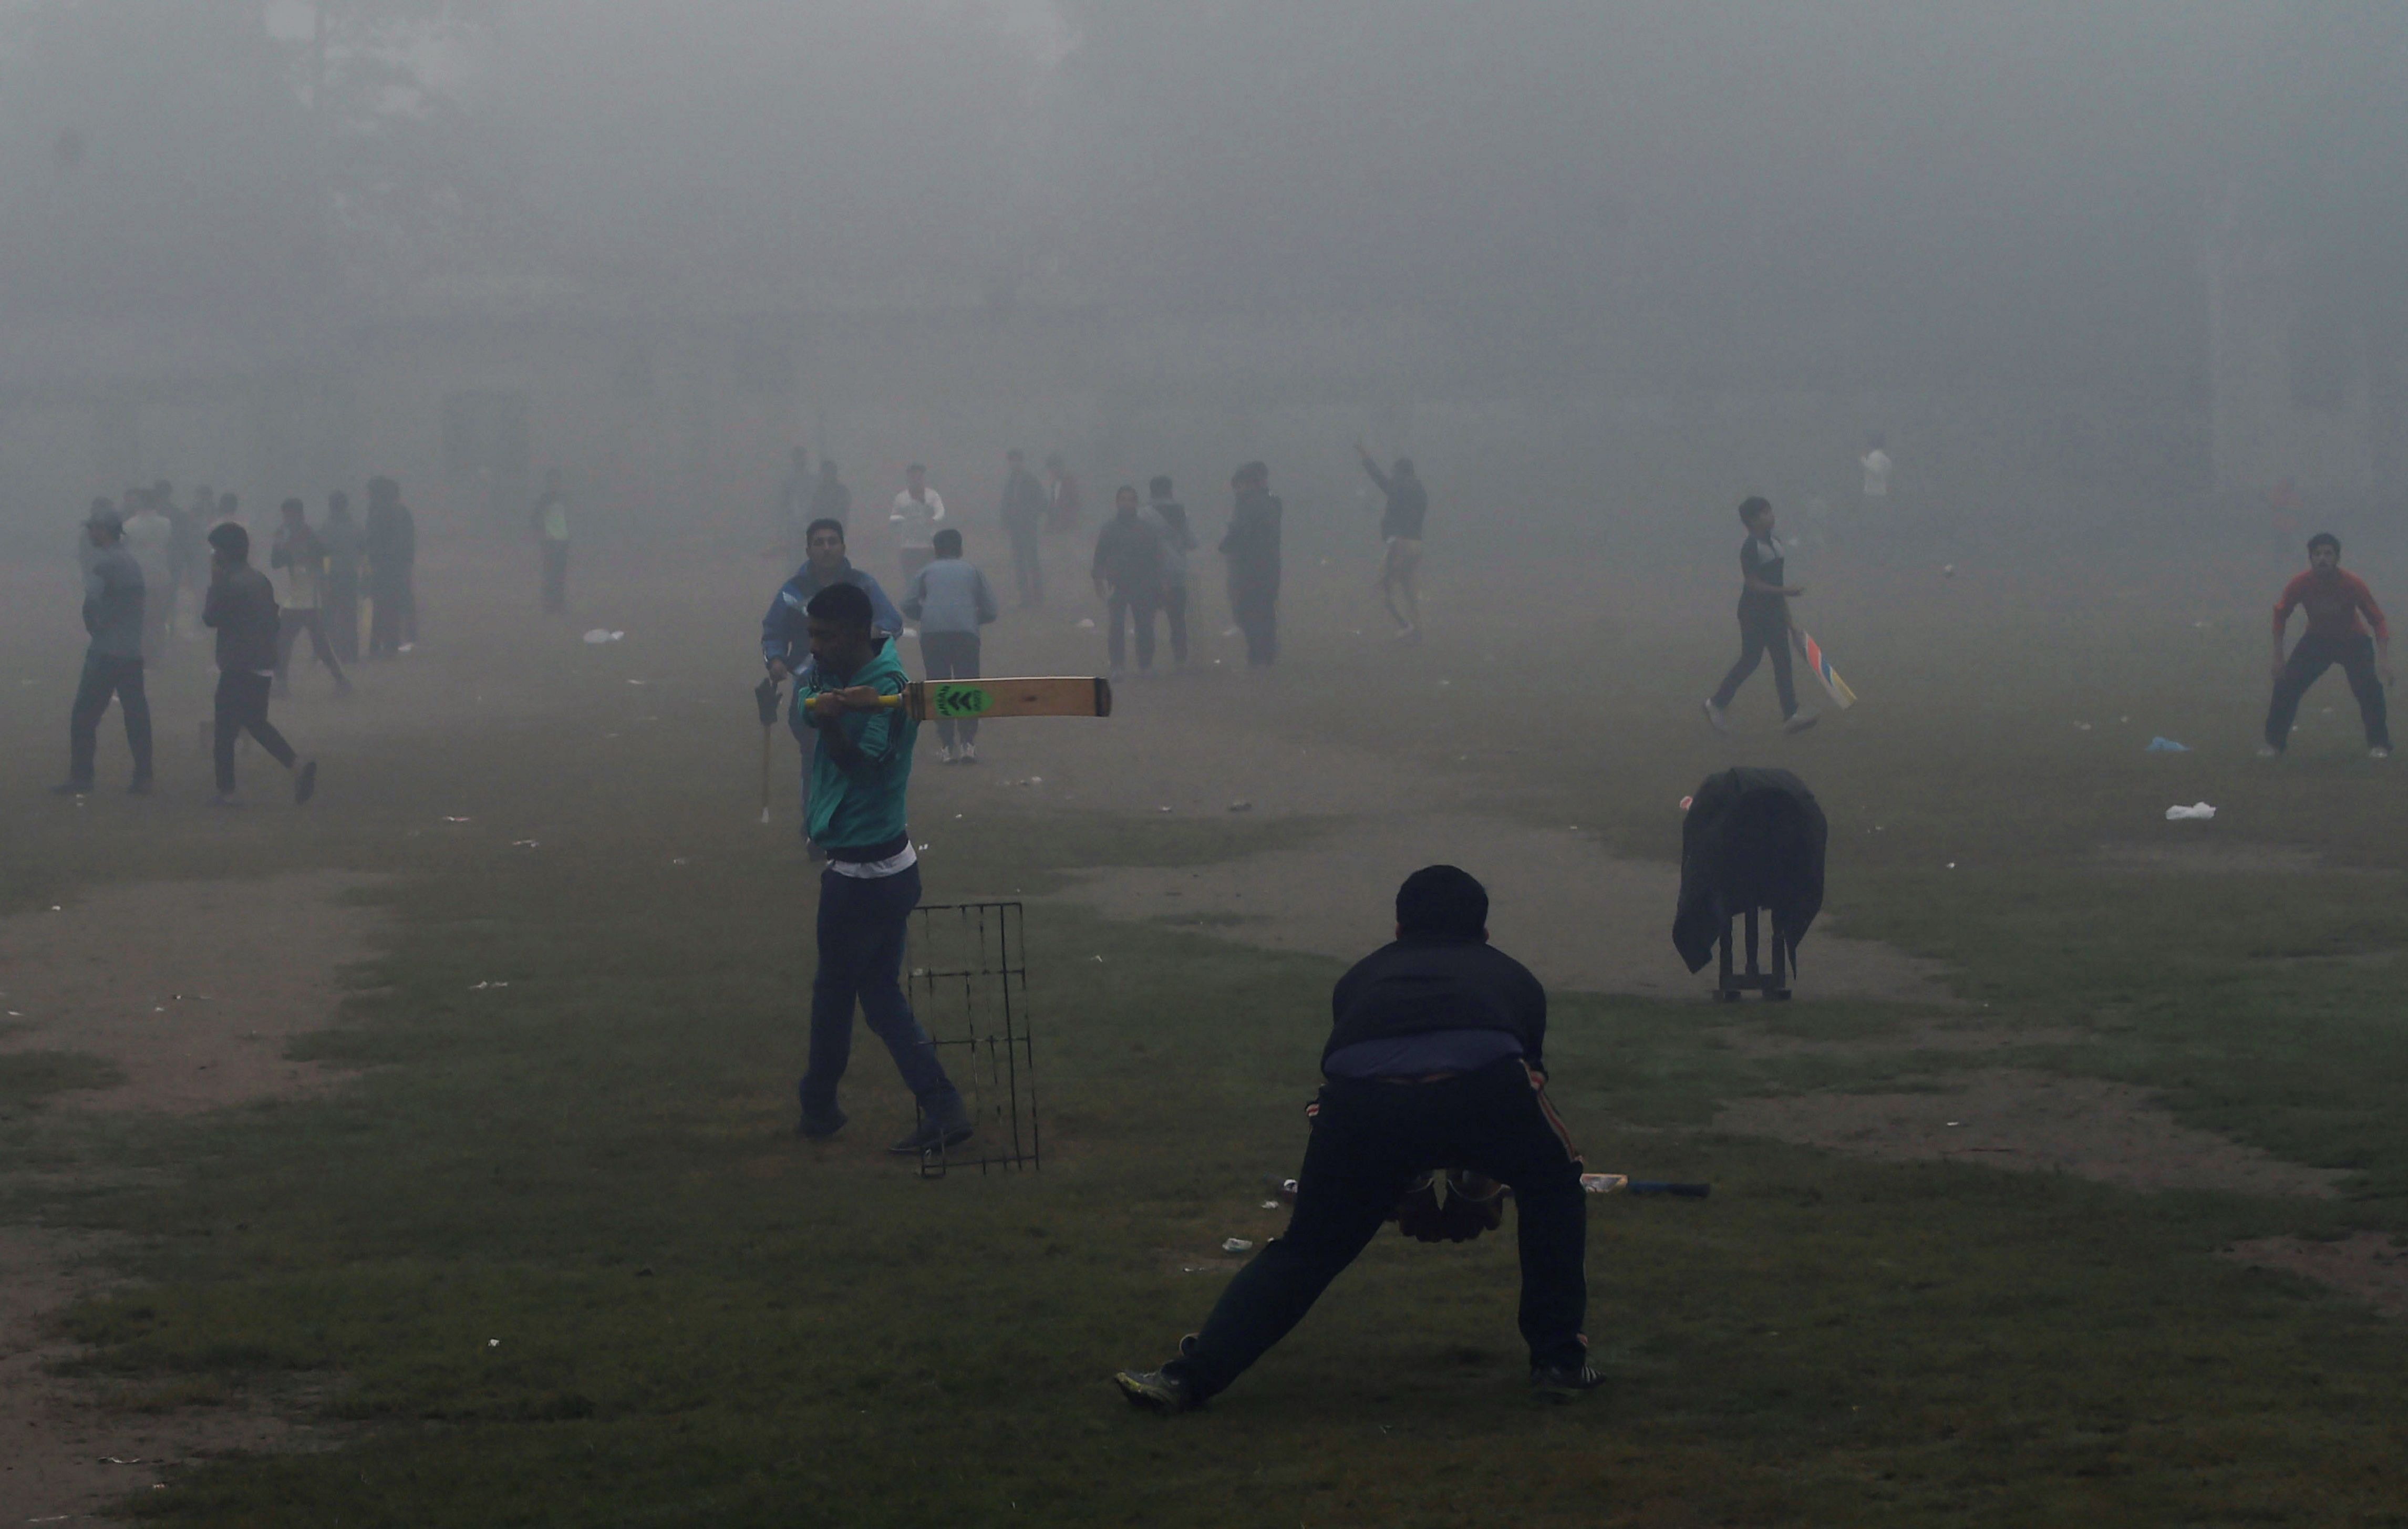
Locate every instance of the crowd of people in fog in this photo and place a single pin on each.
(157, 573)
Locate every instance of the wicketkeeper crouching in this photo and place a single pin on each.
(1433, 1062)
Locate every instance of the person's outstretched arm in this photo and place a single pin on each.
(1372, 468)
(2382, 632)
(2283, 619)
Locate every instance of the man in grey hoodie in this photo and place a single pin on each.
(112, 664)
(951, 601)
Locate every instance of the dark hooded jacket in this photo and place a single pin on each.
(1754, 838)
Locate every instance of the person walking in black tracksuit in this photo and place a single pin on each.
(1763, 621)
(1252, 546)
(1434, 1062)
(241, 609)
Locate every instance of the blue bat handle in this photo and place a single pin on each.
(1659, 1186)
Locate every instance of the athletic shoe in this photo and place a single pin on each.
(968, 754)
(2378, 751)
(1156, 1391)
(1562, 1382)
(822, 1128)
(933, 1135)
(944, 755)
(305, 782)
(72, 788)
(1714, 715)
(227, 799)
(2267, 751)
(141, 787)
(1800, 723)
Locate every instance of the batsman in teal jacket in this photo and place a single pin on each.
(860, 774)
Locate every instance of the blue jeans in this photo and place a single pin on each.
(105, 677)
(862, 927)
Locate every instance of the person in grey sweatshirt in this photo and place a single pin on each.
(951, 601)
(112, 664)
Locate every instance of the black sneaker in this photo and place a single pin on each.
(1154, 1392)
(305, 783)
(933, 1135)
(141, 786)
(72, 788)
(819, 1128)
(1562, 1382)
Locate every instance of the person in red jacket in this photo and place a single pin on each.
(2335, 601)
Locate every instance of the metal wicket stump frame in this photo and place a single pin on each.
(966, 974)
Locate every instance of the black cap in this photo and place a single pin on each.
(1442, 902)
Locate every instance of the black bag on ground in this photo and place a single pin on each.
(1754, 838)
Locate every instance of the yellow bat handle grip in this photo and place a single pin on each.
(885, 702)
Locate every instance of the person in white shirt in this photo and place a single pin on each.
(917, 513)
(150, 536)
(298, 559)
(1876, 465)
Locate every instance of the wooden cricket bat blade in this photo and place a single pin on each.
(1041, 695)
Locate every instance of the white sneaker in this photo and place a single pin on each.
(2267, 751)
(1714, 715)
(944, 755)
(968, 754)
(1801, 722)
(2378, 752)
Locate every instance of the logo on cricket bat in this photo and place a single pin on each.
(958, 701)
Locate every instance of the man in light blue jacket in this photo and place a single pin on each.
(951, 601)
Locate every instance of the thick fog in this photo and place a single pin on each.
(1642, 256)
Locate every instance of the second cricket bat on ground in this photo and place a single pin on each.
(1044, 696)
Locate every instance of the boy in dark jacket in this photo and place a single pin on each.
(241, 609)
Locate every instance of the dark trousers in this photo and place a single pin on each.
(1762, 629)
(2307, 664)
(1138, 607)
(242, 706)
(1174, 604)
(1256, 609)
(290, 625)
(105, 677)
(952, 655)
(1371, 1140)
(391, 619)
(1027, 571)
(342, 610)
(556, 578)
(862, 928)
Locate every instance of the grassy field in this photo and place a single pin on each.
(556, 1258)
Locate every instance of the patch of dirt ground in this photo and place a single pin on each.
(2365, 1265)
(65, 1456)
(1580, 919)
(194, 989)
(2110, 1131)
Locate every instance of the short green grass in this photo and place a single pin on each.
(556, 1259)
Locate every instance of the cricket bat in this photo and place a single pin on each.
(1614, 1183)
(764, 697)
(1816, 660)
(964, 700)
